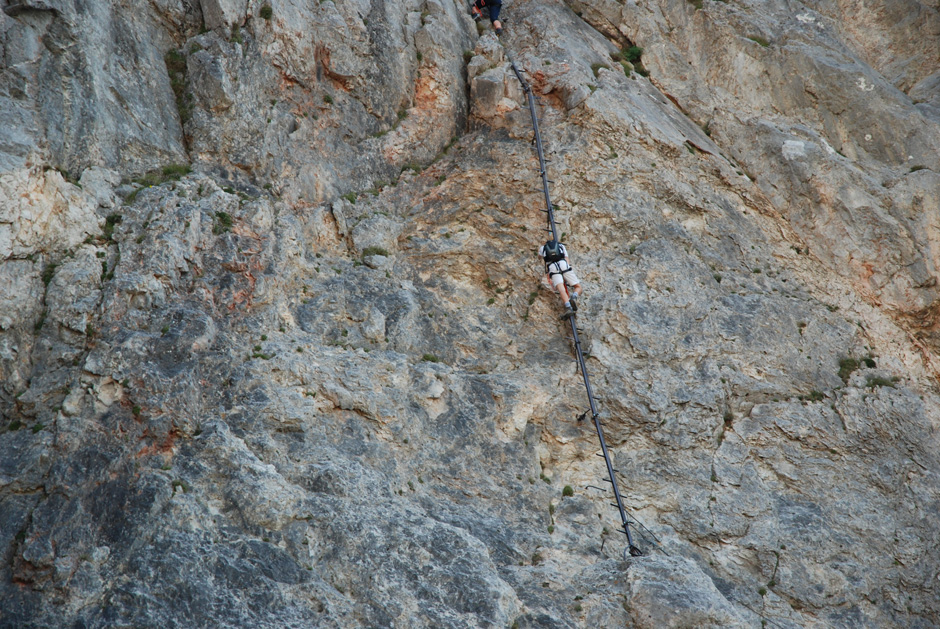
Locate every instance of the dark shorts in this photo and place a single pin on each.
(494, 6)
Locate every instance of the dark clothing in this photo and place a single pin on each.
(494, 7)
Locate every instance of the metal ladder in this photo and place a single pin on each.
(549, 211)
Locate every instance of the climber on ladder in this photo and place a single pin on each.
(561, 276)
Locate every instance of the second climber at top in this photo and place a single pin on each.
(561, 276)
(494, 7)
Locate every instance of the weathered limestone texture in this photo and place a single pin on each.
(321, 99)
(815, 105)
(276, 350)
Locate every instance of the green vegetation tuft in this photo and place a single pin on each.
(633, 54)
(223, 223)
(175, 171)
(266, 12)
(109, 223)
(170, 172)
(374, 251)
(846, 367)
(876, 381)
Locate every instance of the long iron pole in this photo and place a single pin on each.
(538, 148)
(634, 551)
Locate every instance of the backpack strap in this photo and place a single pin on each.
(548, 268)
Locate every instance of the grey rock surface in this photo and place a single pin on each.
(316, 379)
(814, 103)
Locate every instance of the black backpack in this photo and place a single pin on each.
(553, 252)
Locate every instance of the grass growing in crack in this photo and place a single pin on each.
(177, 70)
(48, 273)
(40, 322)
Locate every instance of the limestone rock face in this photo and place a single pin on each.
(319, 100)
(316, 378)
(87, 84)
(815, 105)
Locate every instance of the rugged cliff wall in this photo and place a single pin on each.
(275, 350)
